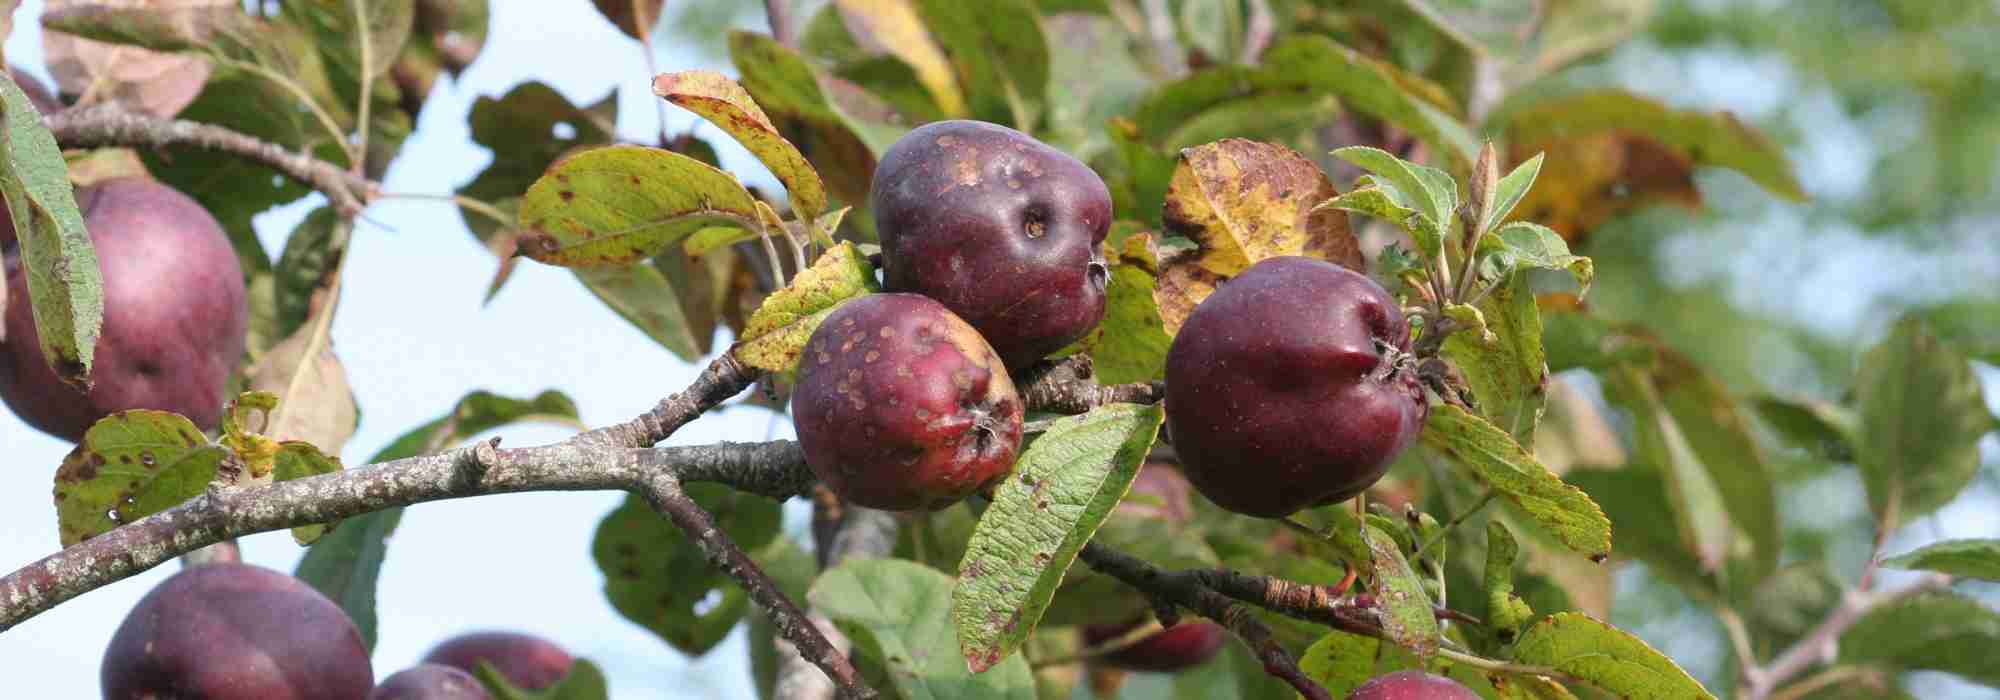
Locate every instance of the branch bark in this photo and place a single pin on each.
(1185, 592)
(1815, 646)
(110, 125)
(1067, 386)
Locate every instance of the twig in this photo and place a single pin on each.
(722, 378)
(1187, 593)
(664, 492)
(1133, 636)
(1739, 641)
(1811, 648)
(1065, 386)
(1830, 676)
(841, 532)
(107, 124)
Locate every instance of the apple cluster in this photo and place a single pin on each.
(233, 631)
(1290, 386)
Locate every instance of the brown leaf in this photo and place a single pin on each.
(141, 80)
(1587, 180)
(315, 403)
(1240, 202)
(636, 18)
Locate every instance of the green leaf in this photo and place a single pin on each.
(1062, 488)
(659, 579)
(521, 128)
(297, 460)
(1978, 559)
(1426, 190)
(997, 50)
(1383, 201)
(842, 144)
(1509, 376)
(724, 103)
(1509, 191)
(1522, 244)
(1403, 608)
(1824, 429)
(639, 293)
(232, 188)
(1607, 657)
(1931, 632)
(337, 28)
(311, 252)
(898, 614)
(131, 464)
(621, 204)
(65, 287)
(1922, 415)
(1131, 342)
(1505, 610)
(1500, 463)
(1341, 662)
(1375, 88)
(1631, 496)
(1659, 438)
(345, 564)
(777, 333)
(1706, 138)
(584, 682)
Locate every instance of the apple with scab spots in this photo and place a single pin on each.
(902, 406)
(1003, 229)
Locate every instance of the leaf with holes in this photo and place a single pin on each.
(1607, 657)
(724, 103)
(621, 204)
(1240, 202)
(131, 464)
(778, 331)
(1063, 487)
(898, 613)
(1499, 462)
(1403, 609)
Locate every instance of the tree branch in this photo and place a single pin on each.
(1066, 386)
(110, 125)
(778, 13)
(1186, 592)
(1812, 648)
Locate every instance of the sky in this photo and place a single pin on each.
(415, 337)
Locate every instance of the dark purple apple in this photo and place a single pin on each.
(1285, 389)
(175, 315)
(902, 406)
(1412, 685)
(528, 662)
(430, 682)
(232, 631)
(1003, 229)
(1159, 492)
(1190, 643)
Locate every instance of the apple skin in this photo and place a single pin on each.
(1190, 643)
(230, 631)
(1412, 685)
(527, 661)
(175, 315)
(430, 682)
(1003, 229)
(1279, 395)
(902, 406)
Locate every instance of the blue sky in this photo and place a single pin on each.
(415, 337)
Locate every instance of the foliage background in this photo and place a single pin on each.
(1888, 109)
